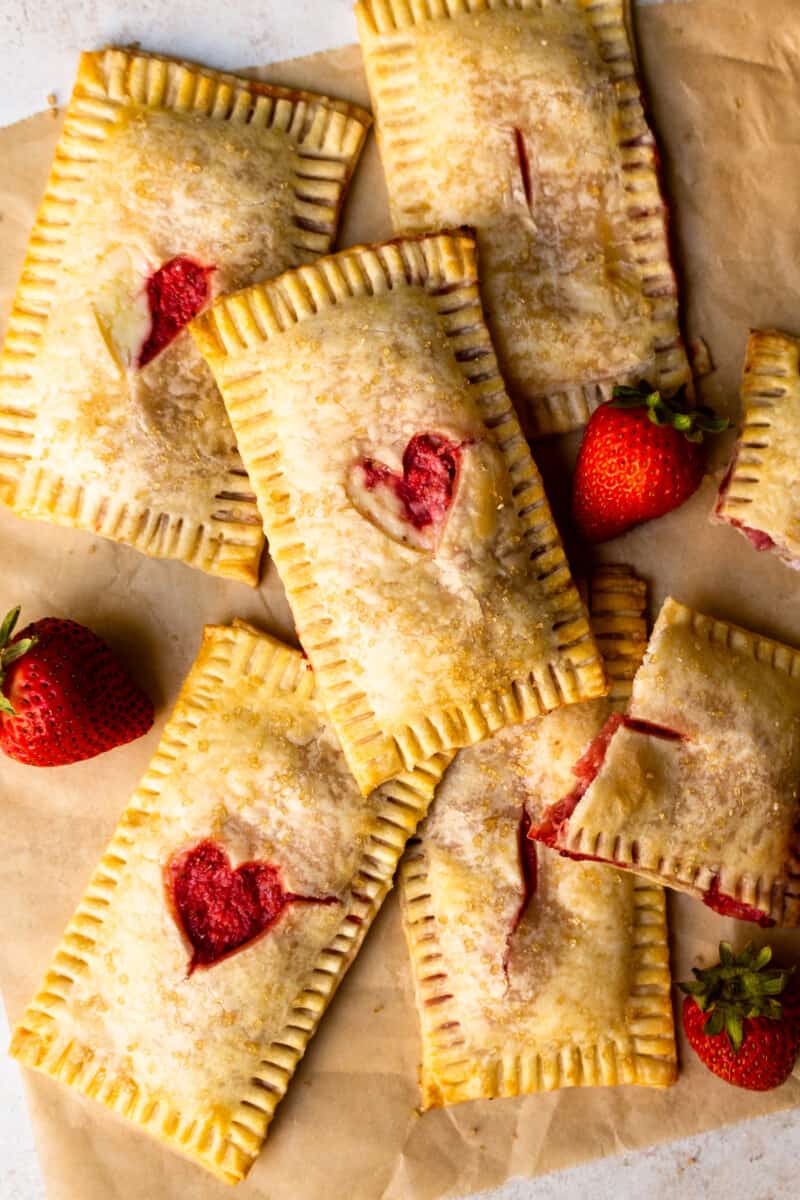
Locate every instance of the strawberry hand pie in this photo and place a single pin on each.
(235, 893)
(523, 120)
(171, 184)
(404, 512)
(697, 785)
(533, 972)
(759, 494)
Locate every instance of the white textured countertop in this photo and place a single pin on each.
(39, 42)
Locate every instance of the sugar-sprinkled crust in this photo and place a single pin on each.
(346, 361)
(524, 119)
(710, 804)
(575, 990)
(759, 493)
(158, 159)
(202, 1060)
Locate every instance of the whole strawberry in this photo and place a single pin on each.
(641, 456)
(742, 1020)
(63, 695)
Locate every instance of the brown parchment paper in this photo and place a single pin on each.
(724, 84)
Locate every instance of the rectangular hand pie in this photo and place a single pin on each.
(533, 972)
(170, 184)
(235, 893)
(404, 511)
(697, 785)
(759, 494)
(525, 121)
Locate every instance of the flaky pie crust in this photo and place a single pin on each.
(402, 44)
(760, 489)
(432, 281)
(486, 1037)
(718, 806)
(211, 520)
(217, 1094)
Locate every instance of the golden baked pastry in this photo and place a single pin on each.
(759, 494)
(403, 509)
(696, 786)
(237, 890)
(525, 121)
(533, 972)
(170, 184)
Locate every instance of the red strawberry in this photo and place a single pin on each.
(641, 456)
(743, 1021)
(63, 695)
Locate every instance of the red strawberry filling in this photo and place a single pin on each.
(552, 829)
(729, 906)
(221, 909)
(176, 293)
(761, 540)
(651, 729)
(426, 487)
(725, 486)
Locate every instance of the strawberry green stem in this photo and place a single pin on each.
(11, 652)
(738, 987)
(693, 423)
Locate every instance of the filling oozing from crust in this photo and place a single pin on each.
(220, 909)
(426, 487)
(176, 293)
(729, 906)
(552, 829)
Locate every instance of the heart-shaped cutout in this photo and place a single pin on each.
(176, 293)
(220, 909)
(409, 506)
